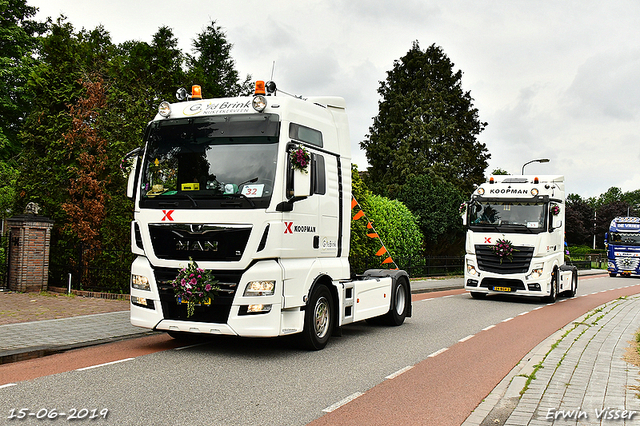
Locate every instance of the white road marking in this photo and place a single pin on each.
(399, 372)
(106, 363)
(464, 339)
(342, 402)
(8, 385)
(436, 353)
(488, 328)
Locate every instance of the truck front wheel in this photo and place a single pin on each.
(318, 319)
(553, 292)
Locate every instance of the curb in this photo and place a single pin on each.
(35, 352)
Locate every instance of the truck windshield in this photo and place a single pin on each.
(207, 160)
(621, 238)
(528, 217)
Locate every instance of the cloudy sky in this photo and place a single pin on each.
(553, 79)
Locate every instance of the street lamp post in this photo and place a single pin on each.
(539, 160)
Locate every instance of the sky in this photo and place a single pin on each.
(553, 79)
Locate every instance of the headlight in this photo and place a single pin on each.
(140, 282)
(260, 288)
(259, 103)
(536, 272)
(471, 269)
(164, 109)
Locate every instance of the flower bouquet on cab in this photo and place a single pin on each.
(194, 286)
(300, 159)
(503, 249)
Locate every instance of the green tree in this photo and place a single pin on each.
(19, 39)
(436, 206)
(212, 67)
(499, 171)
(426, 124)
(579, 217)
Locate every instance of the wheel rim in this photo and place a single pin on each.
(400, 299)
(321, 317)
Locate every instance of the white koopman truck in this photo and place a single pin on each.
(515, 238)
(215, 184)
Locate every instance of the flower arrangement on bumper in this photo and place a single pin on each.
(300, 159)
(503, 249)
(195, 286)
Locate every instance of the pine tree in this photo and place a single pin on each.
(426, 124)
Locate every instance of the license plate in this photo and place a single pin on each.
(502, 289)
(184, 302)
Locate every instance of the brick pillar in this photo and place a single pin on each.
(30, 238)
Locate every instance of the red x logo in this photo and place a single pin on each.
(287, 229)
(167, 215)
(487, 240)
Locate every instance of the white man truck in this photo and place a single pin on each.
(515, 238)
(216, 183)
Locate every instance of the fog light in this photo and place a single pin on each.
(534, 287)
(140, 282)
(260, 288)
(142, 302)
(254, 309)
(472, 283)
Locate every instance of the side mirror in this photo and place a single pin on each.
(301, 184)
(130, 163)
(463, 213)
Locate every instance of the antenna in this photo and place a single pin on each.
(273, 69)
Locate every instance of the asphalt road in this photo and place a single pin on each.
(232, 381)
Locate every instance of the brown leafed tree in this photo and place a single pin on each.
(87, 188)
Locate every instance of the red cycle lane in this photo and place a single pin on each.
(445, 389)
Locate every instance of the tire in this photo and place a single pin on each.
(551, 298)
(400, 301)
(477, 295)
(574, 284)
(318, 320)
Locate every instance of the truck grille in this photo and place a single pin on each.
(519, 264)
(181, 241)
(627, 263)
(217, 312)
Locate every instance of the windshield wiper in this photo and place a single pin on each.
(519, 225)
(244, 197)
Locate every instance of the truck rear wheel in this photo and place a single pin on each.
(318, 320)
(400, 300)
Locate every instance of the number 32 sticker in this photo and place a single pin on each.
(250, 191)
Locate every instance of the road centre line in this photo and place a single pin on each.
(105, 364)
(342, 402)
(399, 372)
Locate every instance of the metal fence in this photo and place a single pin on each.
(104, 269)
(5, 248)
(419, 266)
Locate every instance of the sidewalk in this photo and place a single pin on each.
(578, 376)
